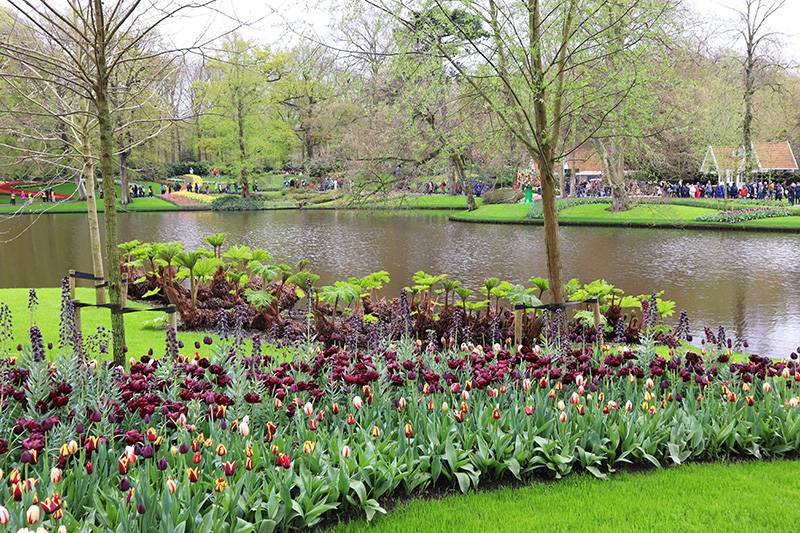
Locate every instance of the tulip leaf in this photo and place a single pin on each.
(514, 467)
(344, 482)
(463, 481)
(596, 473)
(360, 490)
(451, 455)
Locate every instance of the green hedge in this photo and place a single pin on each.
(237, 203)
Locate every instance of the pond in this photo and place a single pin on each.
(745, 282)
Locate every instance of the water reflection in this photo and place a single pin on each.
(745, 282)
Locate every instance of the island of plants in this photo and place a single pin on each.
(281, 419)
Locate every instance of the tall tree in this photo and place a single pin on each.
(759, 54)
(238, 119)
(103, 34)
(532, 72)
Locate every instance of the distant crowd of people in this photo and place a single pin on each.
(756, 190)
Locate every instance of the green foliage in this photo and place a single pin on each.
(252, 202)
(199, 168)
(503, 196)
(536, 211)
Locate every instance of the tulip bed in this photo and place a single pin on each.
(743, 215)
(220, 437)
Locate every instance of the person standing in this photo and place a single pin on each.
(13, 198)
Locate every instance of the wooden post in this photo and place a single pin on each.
(173, 320)
(99, 292)
(72, 283)
(518, 314)
(77, 314)
(124, 289)
(596, 307)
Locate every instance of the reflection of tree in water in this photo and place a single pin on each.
(738, 311)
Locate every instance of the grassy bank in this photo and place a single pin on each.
(138, 204)
(696, 497)
(661, 214)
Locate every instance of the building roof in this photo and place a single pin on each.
(769, 157)
(585, 160)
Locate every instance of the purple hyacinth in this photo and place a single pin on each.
(222, 324)
(69, 335)
(172, 343)
(37, 345)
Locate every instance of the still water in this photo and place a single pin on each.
(748, 283)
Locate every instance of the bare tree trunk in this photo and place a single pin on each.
(614, 171)
(106, 127)
(87, 171)
(551, 236)
(125, 197)
(458, 167)
(242, 152)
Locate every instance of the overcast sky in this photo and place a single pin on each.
(722, 15)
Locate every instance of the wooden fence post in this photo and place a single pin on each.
(124, 289)
(518, 314)
(596, 307)
(72, 283)
(74, 300)
(173, 320)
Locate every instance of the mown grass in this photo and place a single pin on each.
(696, 497)
(647, 213)
(640, 214)
(138, 204)
(497, 212)
(403, 201)
(143, 330)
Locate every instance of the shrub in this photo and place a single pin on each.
(237, 203)
(503, 196)
(537, 212)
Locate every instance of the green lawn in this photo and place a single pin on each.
(406, 201)
(143, 330)
(641, 214)
(647, 213)
(138, 204)
(497, 212)
(777, 222)
(697, 497)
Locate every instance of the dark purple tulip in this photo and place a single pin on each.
(19, 347)
(124, 485)
(745, 344)
(79, 428)
(223, 424)
(49, 345)
(148, 452)
(183, 448)
(146, 419)
(162, 464)
(197, 345)
(180, 344)
(26, 457)
(207, 340)
(112, 419)
(124, 349)
(150, 352)
(140, 509)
